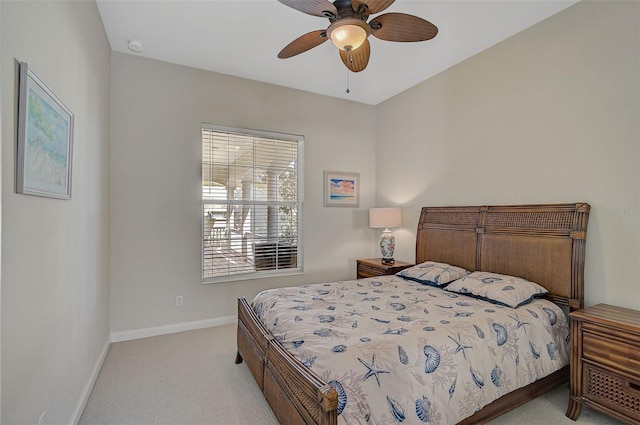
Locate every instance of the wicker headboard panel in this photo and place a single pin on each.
(542, 243)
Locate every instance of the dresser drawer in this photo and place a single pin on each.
(620, 355)
(612, 391)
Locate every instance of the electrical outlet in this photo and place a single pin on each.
(41, 420)
(179, 301)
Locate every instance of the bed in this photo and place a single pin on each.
(541, 243)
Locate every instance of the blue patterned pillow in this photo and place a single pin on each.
(498, 288)
(432, 273)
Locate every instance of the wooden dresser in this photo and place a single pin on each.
(372, 267)
(605, 362)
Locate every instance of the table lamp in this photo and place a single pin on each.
(383, 218)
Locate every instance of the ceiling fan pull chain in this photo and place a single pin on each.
(347, 81)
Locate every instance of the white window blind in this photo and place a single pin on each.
(251, 202)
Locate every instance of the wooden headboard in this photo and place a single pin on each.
(541, 243)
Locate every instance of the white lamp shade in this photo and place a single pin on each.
(348, 33)
(381, 218)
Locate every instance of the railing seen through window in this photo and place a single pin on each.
(251, 202)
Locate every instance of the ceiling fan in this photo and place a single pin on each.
(349, 29)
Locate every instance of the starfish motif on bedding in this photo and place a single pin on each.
(461, 346)
(417, 300)
(521, 324)
(373, 370)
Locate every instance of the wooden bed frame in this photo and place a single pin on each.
(542, 243)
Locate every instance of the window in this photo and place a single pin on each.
(251, 202)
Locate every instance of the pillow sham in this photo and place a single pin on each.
(497, 288)
(432, 273)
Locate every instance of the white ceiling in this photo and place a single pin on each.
(243, 38)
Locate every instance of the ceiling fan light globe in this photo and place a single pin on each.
(348, 34)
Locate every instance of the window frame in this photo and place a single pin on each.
(255, 274)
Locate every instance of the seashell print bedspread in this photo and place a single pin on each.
(397, 351)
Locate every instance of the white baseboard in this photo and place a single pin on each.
(86, 392)
(173, 328)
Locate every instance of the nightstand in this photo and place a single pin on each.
(372, 267)
(605, 362)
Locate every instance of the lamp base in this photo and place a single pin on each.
(387, 246)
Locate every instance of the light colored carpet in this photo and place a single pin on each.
(190, 378)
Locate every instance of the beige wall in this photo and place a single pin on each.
(55, 253)
(157, 110)
(549, 115)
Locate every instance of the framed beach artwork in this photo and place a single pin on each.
(45, 139)
(341, 189)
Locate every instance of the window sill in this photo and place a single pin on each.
(252, 276)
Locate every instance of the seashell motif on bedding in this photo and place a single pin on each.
(479, 331)
(325, 318)
(553, 317)
(533, 314)
(404, 358)
(301, 308)
(477, 378)
(324, 332)
(491, 279)
(339, 348)
(423, 409)
(395, 331)
(398, 306)
(497, 376)
(552, 349)
(433, 359)
(342, 395)
(501, 334)
(452, 388)
(396, 410)
(534, 350)
(309, 362)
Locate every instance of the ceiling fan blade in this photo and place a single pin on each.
(303, 43)
(373, 6)
(357, 60)
(312, 7)
(402, 27)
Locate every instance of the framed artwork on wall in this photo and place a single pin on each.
(45, 139)
(341, 189)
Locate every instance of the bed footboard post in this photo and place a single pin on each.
(328, 400)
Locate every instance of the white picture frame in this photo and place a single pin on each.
(45, 139)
